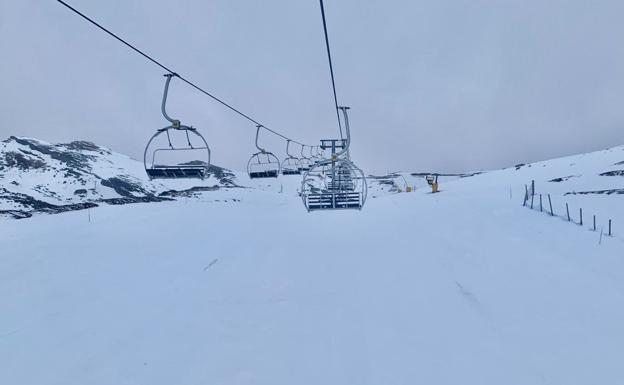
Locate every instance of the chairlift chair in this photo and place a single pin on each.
(191, 169)
(263, 164)
(304, 162)
(332, 184)
(328, 190)
(290, 165)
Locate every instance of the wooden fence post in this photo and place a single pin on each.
(550, 204)
(532, 201)
(568, 211)
(581, 216)
(541, 207)
(526, 195)
(609, 227)
(594, 223)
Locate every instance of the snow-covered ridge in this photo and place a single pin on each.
(36, 176)
(599, 172)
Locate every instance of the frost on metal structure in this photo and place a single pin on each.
(335, 183)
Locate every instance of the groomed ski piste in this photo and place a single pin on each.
(243, 286)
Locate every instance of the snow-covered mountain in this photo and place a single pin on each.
(40, 177)
(36, 176)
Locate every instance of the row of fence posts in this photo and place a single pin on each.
(532, 194)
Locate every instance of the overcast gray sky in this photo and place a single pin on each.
(448, 85)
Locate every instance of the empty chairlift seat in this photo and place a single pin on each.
(263, 164)
(264, 174)
(338, 200)
(175, 172)
(163, 145)
(290, 165)
(290, 171)
(328, 187)
(335, 183)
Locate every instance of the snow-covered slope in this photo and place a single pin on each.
(40, 177)
(461, 287)
(593, 182)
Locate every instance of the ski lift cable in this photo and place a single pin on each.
(190, 83)
(331, 67)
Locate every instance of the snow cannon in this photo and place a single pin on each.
(433, 182)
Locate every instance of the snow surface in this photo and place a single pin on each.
(242, 286)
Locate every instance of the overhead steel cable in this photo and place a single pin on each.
(154, 61)
(331, 67)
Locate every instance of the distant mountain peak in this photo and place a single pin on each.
(36, 176)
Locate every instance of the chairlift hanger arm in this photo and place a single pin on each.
(345, 150)
(175, 123)
(262, 150)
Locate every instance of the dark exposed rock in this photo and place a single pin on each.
(40, 206)
(563, 178)
(80, 145)
(72, 160)
(69, 173)
(20, 161)
(607, 192)
(15, 214)
(25, 200)
(124, 187)
(81, 192)
(128, 200)
(613, 173)
(188, 192)
(225, 177)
